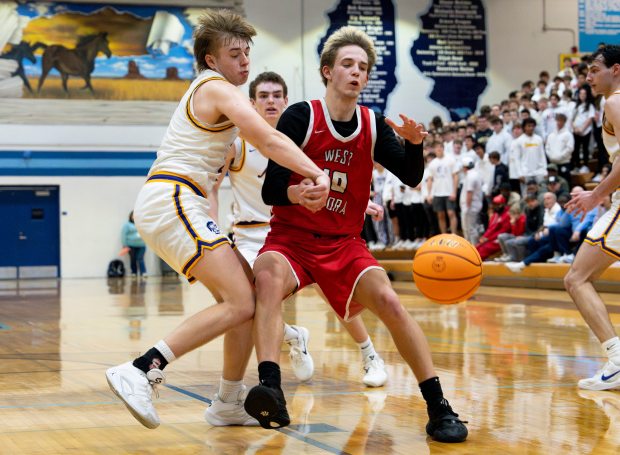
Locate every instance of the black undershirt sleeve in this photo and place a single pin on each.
(406, 163)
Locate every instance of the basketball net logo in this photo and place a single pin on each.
(439, 265)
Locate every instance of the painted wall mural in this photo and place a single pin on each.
(94, 51)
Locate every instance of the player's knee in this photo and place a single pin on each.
(247, 310)
(389, 306)
(572, 281)
(268, 282)
(567, 282)
(243, 311)
(263, 279)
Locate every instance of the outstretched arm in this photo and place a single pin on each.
(220, 98)
(406, 163)
(582, 203)
(409, 130)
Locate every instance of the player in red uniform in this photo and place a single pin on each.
(309, 245)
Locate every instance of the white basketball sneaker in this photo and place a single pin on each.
(301, 360)
(606, 378)
(135, 388)
(221, 414)
(375, 374)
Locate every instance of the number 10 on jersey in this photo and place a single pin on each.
(339, 180)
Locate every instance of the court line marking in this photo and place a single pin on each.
(189, 394)
(313, 442)
(287, 431)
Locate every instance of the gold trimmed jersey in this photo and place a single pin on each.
(609, 138)
(191, 148)
(247, 174)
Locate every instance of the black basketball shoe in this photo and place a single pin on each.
(444, 425)
(268, 406)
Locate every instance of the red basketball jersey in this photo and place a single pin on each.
(348, 161)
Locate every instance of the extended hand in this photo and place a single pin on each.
(375, 211)
(410, 130)
(313, 195)
(582, 203)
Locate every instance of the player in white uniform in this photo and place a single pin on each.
(601, 247)
(247, 166)
(171, 211)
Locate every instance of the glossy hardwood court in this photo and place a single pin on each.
(509, 360)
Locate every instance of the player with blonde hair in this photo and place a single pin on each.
(172, 212)
(302, 248)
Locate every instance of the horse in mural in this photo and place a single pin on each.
(18, 52)
(75, 62)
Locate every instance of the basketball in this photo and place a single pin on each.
(447, 269)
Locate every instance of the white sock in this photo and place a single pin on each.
(229, 390)
(290, 333)
(367, 348)
(165, 350)
(612, 349)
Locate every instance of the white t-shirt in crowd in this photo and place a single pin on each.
(473, 183)
(442, 171)
(581, 117)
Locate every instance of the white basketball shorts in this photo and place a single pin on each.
(606, 231)
(250, 238)
(171, 214)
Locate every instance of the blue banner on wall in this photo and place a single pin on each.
(451, 50)
(599, 22)
(376, 18)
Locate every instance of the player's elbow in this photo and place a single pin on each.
(414, 178)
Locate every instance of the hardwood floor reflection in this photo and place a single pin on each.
(509, 360)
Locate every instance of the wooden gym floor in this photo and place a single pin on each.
(509, 360)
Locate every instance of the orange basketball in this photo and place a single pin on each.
(447, 269)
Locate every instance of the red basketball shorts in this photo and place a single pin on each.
(335, 263)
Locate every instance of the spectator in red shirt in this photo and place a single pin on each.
(517, 220)
(499, 223)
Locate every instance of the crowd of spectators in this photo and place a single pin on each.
(501, 178)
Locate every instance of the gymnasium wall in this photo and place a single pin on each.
(94, 208)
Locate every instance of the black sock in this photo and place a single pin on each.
(151, 359)
(269, 374)
(432, 393)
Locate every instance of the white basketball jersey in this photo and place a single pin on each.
(191, 148)
(609, 138)
(247, 174)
